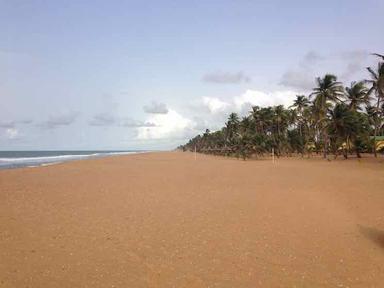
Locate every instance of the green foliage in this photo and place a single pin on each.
(330, 119)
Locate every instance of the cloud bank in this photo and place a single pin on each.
(7, 124)
(107, 119)
(12, 124)
(166, 126)
(214, 104)
(11, 133)
(226, 78)
(102, 119)
(155, 108)
(355, 60)
(348, 65)
(59, 120)
(209, 113)
(128, 122)
(303, 76)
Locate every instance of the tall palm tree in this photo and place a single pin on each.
(357, 95)
(233, 123)
(377, 81)
(374, 119)
(256, 117)
(348, 128)
(244, 141)
(328, 91)
(300, 103)
(232, 126)
(377, 88)
(280, 118)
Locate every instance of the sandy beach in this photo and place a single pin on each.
(166, 220)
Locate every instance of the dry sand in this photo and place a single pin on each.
(165, 220)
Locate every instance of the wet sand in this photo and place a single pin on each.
(166, 220)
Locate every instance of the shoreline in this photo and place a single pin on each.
(162, 219)
(47, 160)
(366, 157)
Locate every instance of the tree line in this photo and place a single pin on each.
(332, 119)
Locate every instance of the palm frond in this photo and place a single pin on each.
(378, 55)
(373, 73)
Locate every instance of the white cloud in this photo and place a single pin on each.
(239, 104)
(215, 105)
(167, 126)
(128, 122)
(244, 103)
(11, 133)
(211, 114)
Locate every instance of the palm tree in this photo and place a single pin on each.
(300, 103)
(232, 126)
(378, 55)
(335, 118)
(280, 124)
(339, 128)
(374, 119)
(206, 140)
(347, 127)
(309, 129)
(244, 140)
(377, 81)
(357, 95)
(256, 117)
(377, 87)
(328, 91)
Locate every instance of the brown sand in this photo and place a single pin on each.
(165, 220)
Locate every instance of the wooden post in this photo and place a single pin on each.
(273, 155)
(195, 152)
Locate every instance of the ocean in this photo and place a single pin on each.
(17, 159)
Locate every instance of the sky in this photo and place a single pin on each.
(82, 75)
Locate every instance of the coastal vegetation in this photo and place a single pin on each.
(332, 119)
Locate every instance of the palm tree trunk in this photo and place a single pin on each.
(374, 141)
(324, 127)
(358, 152)
(346, 149)
(325, 140)
(300, 133)
(376, 126)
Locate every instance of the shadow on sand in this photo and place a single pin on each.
(373, 234)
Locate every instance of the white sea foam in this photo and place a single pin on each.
(35, 161)
(49, 164)
(44, 158)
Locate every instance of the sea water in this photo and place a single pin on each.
(16, 159)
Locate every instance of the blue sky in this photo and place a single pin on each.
(150, 74)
